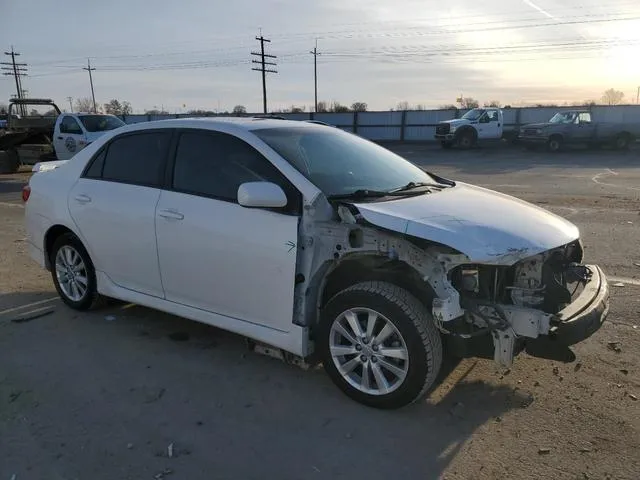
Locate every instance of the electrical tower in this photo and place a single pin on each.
(18, 70)
(315, 54)
(263, 68)
(93, 96)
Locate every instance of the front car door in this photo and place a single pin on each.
(216, 255)
(489, 125)
(113, 205)
(69, 139)
(583, 129)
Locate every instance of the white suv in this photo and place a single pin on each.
(314, 241)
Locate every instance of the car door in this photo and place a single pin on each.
(113, 205)
(69, 139)
(582, 130)
(215, 254)
(488, 125)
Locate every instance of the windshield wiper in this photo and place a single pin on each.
(362, 193)
(413, 186)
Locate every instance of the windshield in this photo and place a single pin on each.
(563, 117)
(100, 123)
(474, 114)
(340, 163)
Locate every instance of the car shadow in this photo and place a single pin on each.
(131, 375)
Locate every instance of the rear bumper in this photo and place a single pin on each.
(582, 318)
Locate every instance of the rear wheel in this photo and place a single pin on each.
(9, 161)
(73, 273)
(379, 345)
(622, 141)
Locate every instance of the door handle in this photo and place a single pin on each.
(60, 137)
(171, 214)
(82, 198)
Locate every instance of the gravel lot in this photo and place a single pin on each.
(102, 395)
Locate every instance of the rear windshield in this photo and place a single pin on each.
(100, 123)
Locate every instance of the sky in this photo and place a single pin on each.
(196, 54)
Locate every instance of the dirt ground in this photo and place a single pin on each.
(103, 395)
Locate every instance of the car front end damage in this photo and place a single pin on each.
(550, 297)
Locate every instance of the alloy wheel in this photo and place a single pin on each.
(71, 273)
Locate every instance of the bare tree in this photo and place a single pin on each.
(493, 104)
(85, 104)
(323, 107)
(239, 110)
(404, 105)
(155, 111)
(468, 102)
(448, 106)
(4, 108)
(115, 107)
(359, 106)
(337, 107)
(420, 106)
(612, 97)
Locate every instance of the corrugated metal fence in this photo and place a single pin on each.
(419, 125)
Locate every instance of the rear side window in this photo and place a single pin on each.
(70, 125)
(137, 158)
(216, 164)
(95, 169)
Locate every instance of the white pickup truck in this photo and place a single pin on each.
(54, 135)
(478, 124)
(74, 131)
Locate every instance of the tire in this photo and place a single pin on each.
(68, 250)
(413, 335)
(466, 139)
(9, 161)
(446, 145)
(554, 144)
(621, 142)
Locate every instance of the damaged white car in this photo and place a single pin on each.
(316, 245)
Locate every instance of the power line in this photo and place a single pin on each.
(93, 96)
(263, 68)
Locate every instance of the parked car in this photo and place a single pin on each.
(478, 124)
(577, 127)
(315, 242)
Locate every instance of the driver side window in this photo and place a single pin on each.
(70, 125)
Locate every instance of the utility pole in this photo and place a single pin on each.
(315, 54)
(93, 96)
(17, 70)
(263, 68)
(70, 99)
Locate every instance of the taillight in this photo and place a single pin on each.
(26, 191)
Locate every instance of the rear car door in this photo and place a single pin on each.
(69, 138)
(113, 204)
(215, 254)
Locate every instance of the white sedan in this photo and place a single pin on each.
(314, 242)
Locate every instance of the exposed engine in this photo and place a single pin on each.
(545, 282)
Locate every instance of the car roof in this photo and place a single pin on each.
(228, 123)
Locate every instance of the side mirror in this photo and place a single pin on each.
(261, 194)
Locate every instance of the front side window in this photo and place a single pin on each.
(70, 125)
(340, 163)
(137, 158)
(215, 164)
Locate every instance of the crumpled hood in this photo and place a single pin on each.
(487, 226)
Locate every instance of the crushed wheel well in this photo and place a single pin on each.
(49, 239)
(364, 269)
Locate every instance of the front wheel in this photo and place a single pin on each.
(379, 345)
(73, 273)
(554, 144)
(622, 142)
